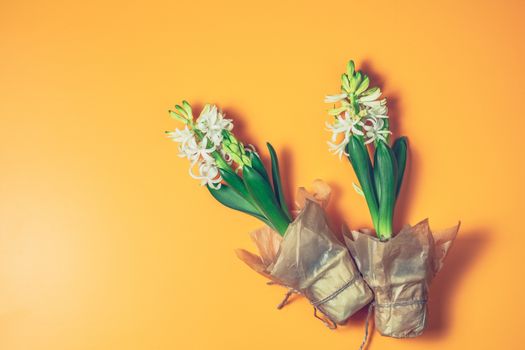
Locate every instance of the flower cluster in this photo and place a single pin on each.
(233, 173)
(201, 142)
(361, 112)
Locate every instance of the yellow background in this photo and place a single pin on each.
(107, 243)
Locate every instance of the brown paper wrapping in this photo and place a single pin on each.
(310, 260)
(399, 272)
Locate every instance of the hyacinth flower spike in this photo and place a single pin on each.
(234, 174)
(361, 120)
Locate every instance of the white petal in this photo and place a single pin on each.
(335, 98)
(370, 97)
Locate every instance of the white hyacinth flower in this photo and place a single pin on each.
(380, 111)
(344, 125)
(187, 143)
(369, 101)
(203, 161)
(212, 122)
(208, 173)
(202, 151)
(361, 111)
(189, 149)
(370, 96)
(181, 136)
(193, 150)
(338, 148)
(200, 139)
(335, 98)
(374, 130)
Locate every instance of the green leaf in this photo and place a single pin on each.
(276, 179)
(258, 165)
(231, 199)
(385, 168)
(235, 182)
(400, 151)
(262, 194)
(377, 180)
(360, 160)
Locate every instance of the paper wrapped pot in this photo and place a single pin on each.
(399, 272)
(310, 260)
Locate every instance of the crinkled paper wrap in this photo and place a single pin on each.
(310, 260)
(399, 272)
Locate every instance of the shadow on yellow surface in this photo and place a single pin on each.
(468, 247)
